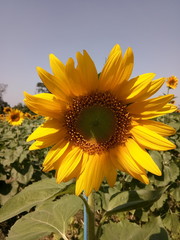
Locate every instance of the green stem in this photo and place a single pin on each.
(98, 233)
(90, 215)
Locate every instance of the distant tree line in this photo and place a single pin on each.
(3, 104)
(41, 88)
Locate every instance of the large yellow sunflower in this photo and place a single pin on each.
(97, 125)
(15, 117)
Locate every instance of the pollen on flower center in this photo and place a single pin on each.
(15, 117)
(97, 122)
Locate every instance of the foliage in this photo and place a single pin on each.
(18, 166)
(23, 108)
(41, 88)
(130, 210)
(2, 90)
(2, 102)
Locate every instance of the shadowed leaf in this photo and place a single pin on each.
(31, 196)
(129, 200)
(51, 217)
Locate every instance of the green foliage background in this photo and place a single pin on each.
(33, 205)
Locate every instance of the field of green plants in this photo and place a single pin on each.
(34, 207)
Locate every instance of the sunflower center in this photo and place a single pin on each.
(97, 122)
(15, 117)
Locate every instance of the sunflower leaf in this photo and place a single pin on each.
(171, 222)
(169, 174)
(120, 230)
(51, 217)
(129, 200)
(32, 195)
(152, 230)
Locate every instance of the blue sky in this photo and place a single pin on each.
(31, 30)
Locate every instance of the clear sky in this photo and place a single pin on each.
(31, 30)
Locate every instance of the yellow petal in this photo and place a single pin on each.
(158, 127)
(125, 160)
(127, 64)
(131, 90)
(153, 104)
(85, 159)
(70, 166)
(151, 140)
(38, 145)
(74, 79)
(114, 159)
(87, 70)
(142, 157)
(54, 85)
(107, 78)
(115, 49)
(109, 170)
(154, 87)
(168, 108)
(44, 104)
(141, 177)
(117, 69)
(51, 126)
(46, 141)
(56, 152)
(92, 176)
(58, 68)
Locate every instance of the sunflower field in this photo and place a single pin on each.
(35, 207)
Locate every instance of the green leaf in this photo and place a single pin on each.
(153, 230)
(51, 217)
(23, 155)
(123, 230)
(31, 196)
(176, 194)
(171, 222)
(130, 231)
(24, 179)
(129, 200)
(166, 157)
(159, 203)
(169, 174)
(7, 191)
(174, 125)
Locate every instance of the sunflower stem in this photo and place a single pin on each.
(89, 220)
(99, 229)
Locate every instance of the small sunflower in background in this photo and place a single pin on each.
(34, 116)
(2, 117)
(15, 117)
(99, 123)
(27, 115)
(172, 82)
(6, 110)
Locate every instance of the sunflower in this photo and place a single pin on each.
(99, 123)
(27, 115)
(2, 117)
(15, 117)
(172, 82)
(7, 109)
